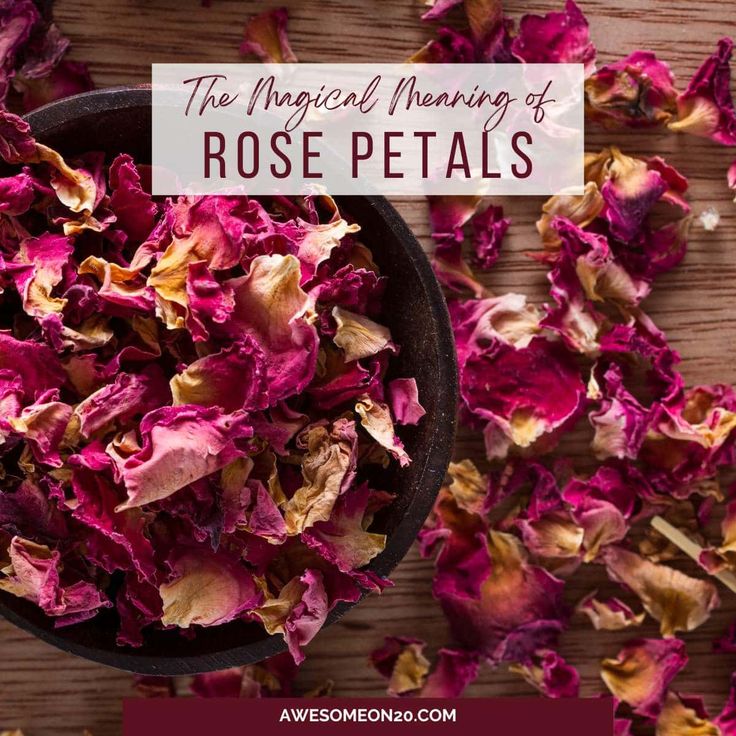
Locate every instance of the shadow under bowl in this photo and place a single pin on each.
(119, 120)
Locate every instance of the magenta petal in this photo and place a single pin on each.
(561, 37)
(133, 207)
(404, 398)
(489, 228)
(706, 107)
(454, 671)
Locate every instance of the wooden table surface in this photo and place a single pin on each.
(46, 692)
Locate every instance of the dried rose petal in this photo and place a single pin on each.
(610, 615)
(328, 468)
(677, 601)
(376, 419)
(402, 662)
(17, 21)
(232, 379)
(690, 439)
(489, 228)
(621, 422)
(641, 673)
(448, 214)
(549, 673)
(404, 397)
(454, 670)
(452, 270)
(636, 92)
(519, 609)
(66, 79)
(16, 143)
(682, 716)
(206, 590)
(439, 8)
(181, 444)
(524, 394)
(358, 336)
(343, 539)
(34, 573)
(706, 108)
(273, 677)
(272, 307)
(554, 535)
(561, 37)
(298, 612)
(265, 36)
(457, 532)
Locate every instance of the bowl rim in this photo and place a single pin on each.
(42, 121)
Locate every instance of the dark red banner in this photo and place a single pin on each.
(343, 716)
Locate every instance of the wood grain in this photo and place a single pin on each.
(46, 692)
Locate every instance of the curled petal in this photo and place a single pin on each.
(550, 674)
(630, 191)
(468, 487)
(489, 228)
(508, 319)
(453, 672)
(706, 108)
(636, 92)
(265, 36)
(66, 79)
(343, 539)
(210, 302)
(37, 268)
(525, 393)
(449, 213)
(43, 425)
(404, 397)
(75, 188)
(133, 207)
(233, 379)
(610, 615)
(34, 573)
(685, 717)
(272, 307)
(17, 145)
(677, 601)
(641, 673)
(298, 612)
(42, 370)
(358, 336)
(554, 536)
(328, 468)
(402, 662)
(375, 418)
(562, 38)
(579, 209)
(117, 402)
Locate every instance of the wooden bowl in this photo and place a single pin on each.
(119, 120)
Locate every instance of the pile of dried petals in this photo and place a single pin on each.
(504, 542)
(193, 393)
(32, 59)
